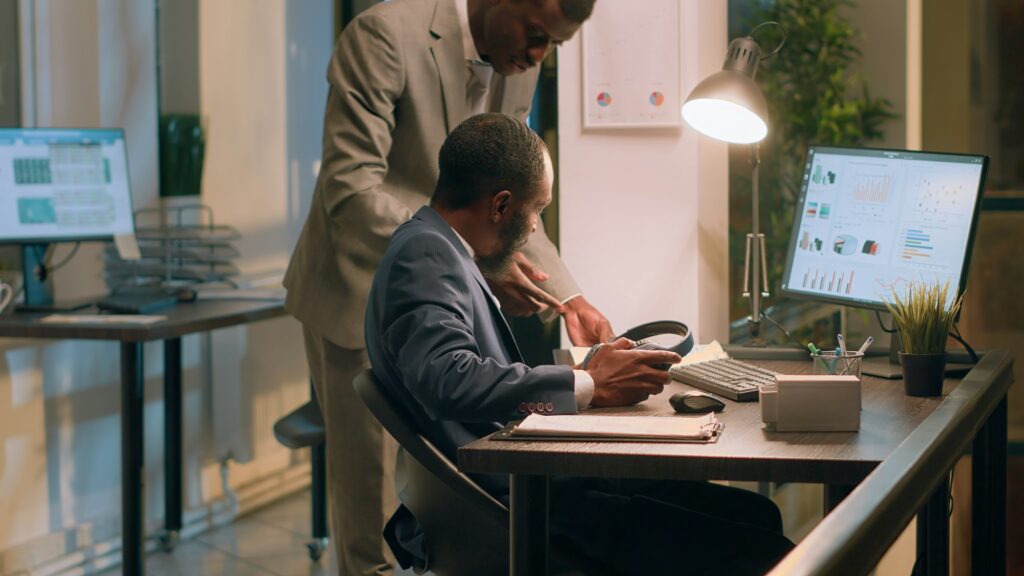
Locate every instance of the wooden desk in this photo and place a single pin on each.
(183, 319)
(745, 451)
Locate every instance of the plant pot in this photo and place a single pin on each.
(923, 373)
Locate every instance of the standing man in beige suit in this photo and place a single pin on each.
(403, 75)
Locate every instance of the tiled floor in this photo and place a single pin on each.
(270, 541)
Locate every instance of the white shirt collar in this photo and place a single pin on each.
(472, 256)
(468, 46)
(469, 248)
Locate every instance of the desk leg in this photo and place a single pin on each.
(528, 545)
(172, 442)
(133, 535)
(834, 494)
(933, 533)
(988, 497)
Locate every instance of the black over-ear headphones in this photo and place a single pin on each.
(641, 333)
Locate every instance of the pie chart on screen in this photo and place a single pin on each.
(656, 98)
(604, 99)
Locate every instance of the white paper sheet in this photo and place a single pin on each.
(102, 319)
(593, 426)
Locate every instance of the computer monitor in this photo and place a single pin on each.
(61, 185)
(868, 219)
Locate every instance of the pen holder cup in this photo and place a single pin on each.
(838, 365)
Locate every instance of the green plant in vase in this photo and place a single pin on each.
(923, 315)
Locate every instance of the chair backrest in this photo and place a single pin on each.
(466, 528)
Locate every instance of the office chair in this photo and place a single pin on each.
(301, 428)
(466, 528)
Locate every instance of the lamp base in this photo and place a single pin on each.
(756, 335)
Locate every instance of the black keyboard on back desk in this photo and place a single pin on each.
(726, 377)
(139, 301)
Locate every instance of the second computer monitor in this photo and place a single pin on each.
(871, 219)
(63, 185)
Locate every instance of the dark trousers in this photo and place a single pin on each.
(668, 527)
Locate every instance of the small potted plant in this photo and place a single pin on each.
(923, 315)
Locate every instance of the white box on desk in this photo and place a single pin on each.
(805, 403)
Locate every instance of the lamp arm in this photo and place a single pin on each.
(764, 266)
(746, 268)
(785, 35)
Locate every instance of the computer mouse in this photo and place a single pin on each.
(695, 402)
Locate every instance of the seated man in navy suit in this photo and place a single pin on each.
(439, 344)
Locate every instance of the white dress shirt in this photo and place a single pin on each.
(478, 72)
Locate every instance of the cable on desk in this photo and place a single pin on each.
(970, 351)
(878, 314)
(784, 331)
(44, 268)
(62, 263)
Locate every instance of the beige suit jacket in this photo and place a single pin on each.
(397, 88)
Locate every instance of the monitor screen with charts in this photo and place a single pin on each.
(63, 185)
(868, 220)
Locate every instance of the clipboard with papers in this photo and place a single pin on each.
(702, 429)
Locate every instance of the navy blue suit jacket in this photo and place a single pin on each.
(440, 345)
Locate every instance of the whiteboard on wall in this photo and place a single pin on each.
(631, 65)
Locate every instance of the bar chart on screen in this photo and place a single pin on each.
(917, 245)
(831, 281)
(872, 188)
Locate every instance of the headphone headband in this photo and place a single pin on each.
(650, 329)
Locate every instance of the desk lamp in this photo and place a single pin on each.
(730, 106)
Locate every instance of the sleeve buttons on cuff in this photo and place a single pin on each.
(522, 407)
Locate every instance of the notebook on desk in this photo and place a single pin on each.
(590, 428)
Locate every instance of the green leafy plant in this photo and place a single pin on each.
(813, 98)
(922, 316)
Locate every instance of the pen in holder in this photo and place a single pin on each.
(833, 364)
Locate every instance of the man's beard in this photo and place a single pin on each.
(511, 238)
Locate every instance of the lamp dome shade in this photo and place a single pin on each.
(728, 106)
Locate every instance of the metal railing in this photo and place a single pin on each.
(855, 536)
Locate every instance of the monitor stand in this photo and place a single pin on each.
(38, 293)
(889, 367)
(38, 289)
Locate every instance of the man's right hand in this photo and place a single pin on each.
(623, 376)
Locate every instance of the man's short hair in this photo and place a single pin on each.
(484, 155)
(577, 10)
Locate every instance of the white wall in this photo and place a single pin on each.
(59, 401)
(644, 212)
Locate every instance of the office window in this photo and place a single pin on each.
(973, 98)
(814, 97)
(997, 91)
